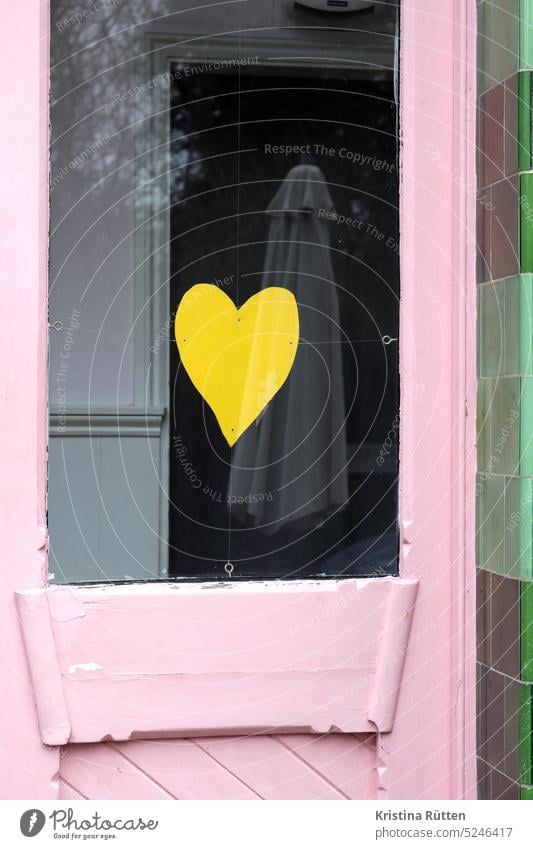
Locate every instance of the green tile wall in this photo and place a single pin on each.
(504, 488)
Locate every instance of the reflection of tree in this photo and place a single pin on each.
(93, 64)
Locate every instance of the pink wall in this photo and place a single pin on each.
(430, 752)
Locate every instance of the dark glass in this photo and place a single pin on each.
(287, 176)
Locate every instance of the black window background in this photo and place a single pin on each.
(218, 234)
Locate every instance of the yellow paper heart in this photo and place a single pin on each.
(237, 359)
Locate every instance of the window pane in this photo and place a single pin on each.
(246, 146)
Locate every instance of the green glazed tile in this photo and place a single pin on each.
(526, 324)
(491, 525)
(504, 38)
(526, 631)
(526, 34)
(525, 527)
(480, 518)
(526, 793)
(504, 411)
(511, 334)
(512, 527)
(525, 734)
(526, 222)
(498, 42)
(526, 427)
(491, 328)
(524, 121)
(483, 53)
(483, 424)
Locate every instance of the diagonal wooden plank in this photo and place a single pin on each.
(348, 761)
(210, 755)
(270, 768)
(185, 769)
(310, 767)
(98, 771)
(67, 791)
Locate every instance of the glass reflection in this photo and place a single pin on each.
(247, 145)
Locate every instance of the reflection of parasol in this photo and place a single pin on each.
(291, 464)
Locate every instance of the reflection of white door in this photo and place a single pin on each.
(311, 656)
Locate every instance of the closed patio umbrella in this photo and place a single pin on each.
(290, 467)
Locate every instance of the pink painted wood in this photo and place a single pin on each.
(430, 751)
(167, 660)
(295, 766)
(27, 768)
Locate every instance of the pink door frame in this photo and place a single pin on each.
(430, 751)
(27, 768)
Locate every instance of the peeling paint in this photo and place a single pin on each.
(86, 667)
